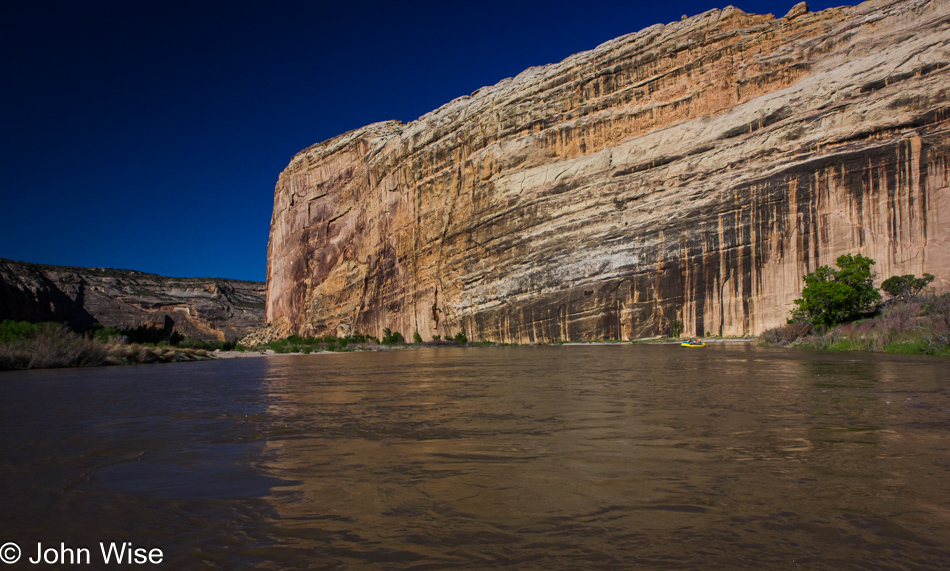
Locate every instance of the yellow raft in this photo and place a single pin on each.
(692, 344)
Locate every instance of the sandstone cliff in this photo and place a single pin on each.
(691, 171)
(207, 309)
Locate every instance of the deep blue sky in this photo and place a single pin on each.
(149, 135)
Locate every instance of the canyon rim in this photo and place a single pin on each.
(692, 171)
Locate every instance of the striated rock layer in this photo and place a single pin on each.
(693, 171)
(207, 309)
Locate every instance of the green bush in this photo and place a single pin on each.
(11, 331)
(416, 338)
(832, 296)
(208, 345)
(104, 334)
(151, 335)
(436, 337)
(460, 337)
(906, 288)
(676, 328)
(392, 337)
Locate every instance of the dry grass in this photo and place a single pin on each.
(785, 335)
(936, 309)
(54, 346)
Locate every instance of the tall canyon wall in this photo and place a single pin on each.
(692, 171)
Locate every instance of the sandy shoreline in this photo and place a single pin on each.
(262, 353)
(656, 341)
(271, 353)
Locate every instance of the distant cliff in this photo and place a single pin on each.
(692, 171)
(208, 309)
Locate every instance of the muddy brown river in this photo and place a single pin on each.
(572, 457)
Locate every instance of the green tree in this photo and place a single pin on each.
(460, 337)
(856, 273)
(833, 296)
(416, 338)
(676, 328)
(391, 337)
(11, 331)
(907, 287)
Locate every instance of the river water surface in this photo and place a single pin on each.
(572, 457)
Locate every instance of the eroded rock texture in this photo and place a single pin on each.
(207, 309)
(691, 171)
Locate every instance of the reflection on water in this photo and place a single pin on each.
(603, 457)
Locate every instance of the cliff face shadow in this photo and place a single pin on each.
(32, 296)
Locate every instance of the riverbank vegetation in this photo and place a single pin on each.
(840, 310)
(25, 345)
(394, 340)
(356, 342)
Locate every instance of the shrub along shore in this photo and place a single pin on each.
(25, 345)
(920, 327)
(296, 344)
(841, 310)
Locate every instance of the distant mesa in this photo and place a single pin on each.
(206, 309)
(688, 172)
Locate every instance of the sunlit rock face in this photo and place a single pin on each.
(693, 171)
(207, 309)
